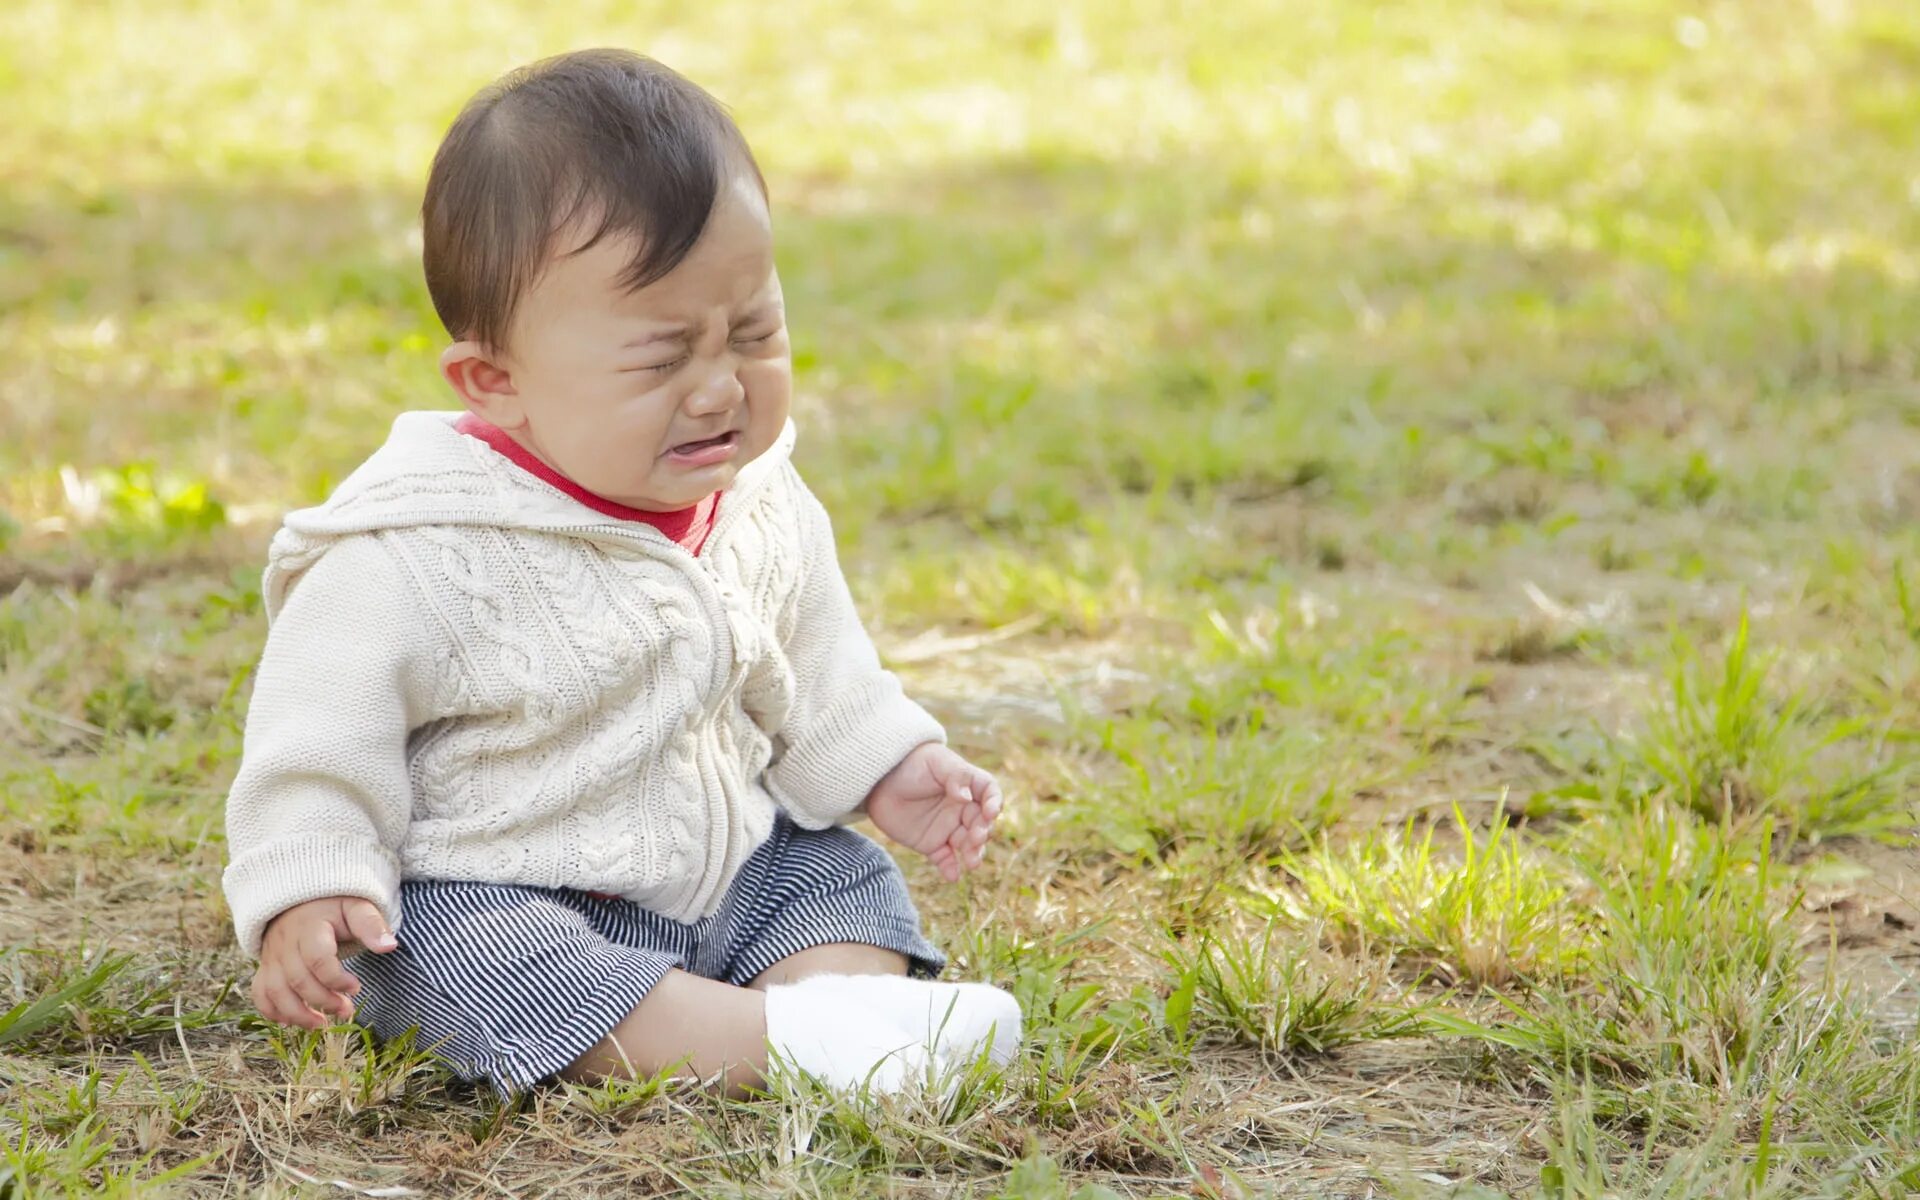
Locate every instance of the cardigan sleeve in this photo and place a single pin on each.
(322, 799)
(851, 721)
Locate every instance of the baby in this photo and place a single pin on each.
(565, 711)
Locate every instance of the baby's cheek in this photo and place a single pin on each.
(769, 388)
(647, 426)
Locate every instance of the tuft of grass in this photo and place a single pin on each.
(46, 1013)
(939, 1121)
(1728, 747)
(1242, 793)
(1488, 916)
(1697, 1038)
(1279, 992)
(1692, 973)
(1263, 732)
(1061, 587)
(1662, 1156)
(623, 1097)
(369, 1084)
(1076, 1030)
(88, 1000)
(42, 1158)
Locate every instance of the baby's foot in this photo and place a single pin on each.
(957, 1020)
(836, 1028)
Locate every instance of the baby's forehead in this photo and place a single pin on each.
(732, 259)
(587, 294)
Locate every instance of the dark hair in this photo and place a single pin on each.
(603, 133)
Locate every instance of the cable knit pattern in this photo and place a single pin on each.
(470, 675)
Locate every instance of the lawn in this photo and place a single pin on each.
(1419, 502)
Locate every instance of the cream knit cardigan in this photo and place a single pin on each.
(478, 677)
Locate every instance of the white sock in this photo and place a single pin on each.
(832, 1027)
(955, 1019)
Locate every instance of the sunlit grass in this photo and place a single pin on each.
(1731, 747)
(1417, 500)
(1485, 915)
(1279, 992)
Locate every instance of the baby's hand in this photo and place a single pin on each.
(300, 977)
(939, 804)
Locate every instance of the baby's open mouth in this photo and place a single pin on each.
(725, 439)
(706, 452)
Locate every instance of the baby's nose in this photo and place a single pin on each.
(719, 393)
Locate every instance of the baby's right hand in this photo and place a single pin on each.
(300, 977)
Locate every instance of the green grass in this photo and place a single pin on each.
(1416, 501)
(1494, 918)
(1728, 749)
(1286, 998)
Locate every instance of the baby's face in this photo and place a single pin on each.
(656, 398)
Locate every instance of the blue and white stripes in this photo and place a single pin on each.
(511, 983)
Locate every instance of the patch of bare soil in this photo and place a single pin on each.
(1866, 925)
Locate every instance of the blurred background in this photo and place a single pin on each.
(1540, 257)
(1243, 422)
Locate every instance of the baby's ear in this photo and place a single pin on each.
(483, 384)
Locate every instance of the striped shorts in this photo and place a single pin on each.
(510, 983)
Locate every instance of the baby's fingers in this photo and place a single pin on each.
(263, 992)
(278, 1002)
(316, 997)
(959, 788)
(990, 799)
(320, 954)
(964, 848)
(942, 858)
(981, 796)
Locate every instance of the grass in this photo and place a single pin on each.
(1416, 502)
(1286, 998)
(1493, 919)
(1729, 749)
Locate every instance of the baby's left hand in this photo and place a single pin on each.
(939, 804)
